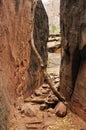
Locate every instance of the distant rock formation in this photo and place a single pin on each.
(53, 12)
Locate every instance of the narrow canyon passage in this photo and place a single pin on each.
(38, 110)
(41, 39)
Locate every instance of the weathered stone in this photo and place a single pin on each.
(73, 63)
(51, 110)
(37, 100)
(43, 107)
(52, 98)
(45, 86)
(28, 110)
(45, 91)
(20, 70)
(61, 109)
(79, 95)
(27, 99)
(56, 80)
(37, 93)
(31, 127)
(35, 122)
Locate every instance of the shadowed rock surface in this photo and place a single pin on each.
(40, 38)
(73, 63)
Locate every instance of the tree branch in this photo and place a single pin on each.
(48, 79)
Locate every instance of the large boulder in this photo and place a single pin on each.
(73, 63)
(20, 70)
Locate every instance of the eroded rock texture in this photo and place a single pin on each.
(19, 66)
(40, 38)
(73, 64)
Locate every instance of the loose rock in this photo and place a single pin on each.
(35, 100)
(28, 110)
(56, 80)
(37, 93)
(45, 86)
(45, 91)
(38, 100)
(43, 107)
(51, 110)
(61, 109)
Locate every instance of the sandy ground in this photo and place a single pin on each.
(54, 60)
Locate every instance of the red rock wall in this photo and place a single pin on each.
(73, 64)
(19, 67)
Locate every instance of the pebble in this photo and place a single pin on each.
(43, 107)
(37, 93)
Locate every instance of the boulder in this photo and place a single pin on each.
(61, 109)
(28, 110)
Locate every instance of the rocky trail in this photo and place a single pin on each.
(39, 111)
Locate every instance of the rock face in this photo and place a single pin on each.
(4, 110)
(40, 37)
(73, 64)
(19, 66)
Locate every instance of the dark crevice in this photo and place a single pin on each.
(1, 2)
(75, 67)
(83, 53)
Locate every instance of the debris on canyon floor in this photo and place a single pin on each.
(44, 96)
(43, 111)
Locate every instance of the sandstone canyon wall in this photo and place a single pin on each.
(73, 64)
(20, 71)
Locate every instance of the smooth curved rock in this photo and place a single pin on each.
(61, 109)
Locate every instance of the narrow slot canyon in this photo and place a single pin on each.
(42, 65)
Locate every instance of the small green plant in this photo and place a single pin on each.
(53, 29)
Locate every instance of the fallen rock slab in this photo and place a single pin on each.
(35, 100)
(31, 127)
(45, 86)
(45, 91)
